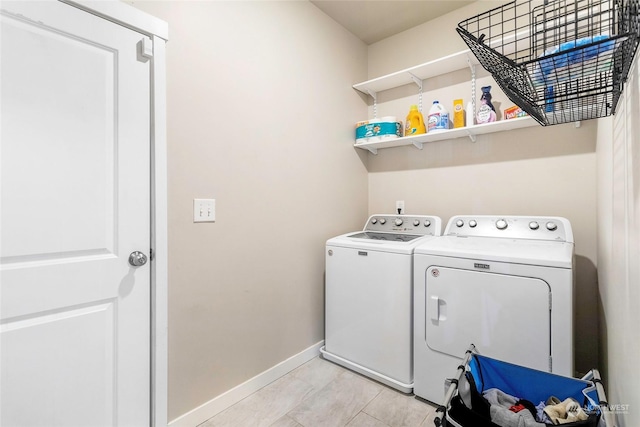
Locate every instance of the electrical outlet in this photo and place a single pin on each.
(204, 210)
(400, 207)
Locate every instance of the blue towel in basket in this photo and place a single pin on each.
(592, 47)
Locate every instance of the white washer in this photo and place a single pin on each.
(503, 283)
(368, 299)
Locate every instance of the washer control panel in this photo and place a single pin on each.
(514, 227)
(426, 225)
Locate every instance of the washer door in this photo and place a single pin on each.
(368, 310)
(506, 317)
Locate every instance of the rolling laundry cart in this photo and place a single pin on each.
(464, 406)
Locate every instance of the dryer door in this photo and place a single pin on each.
(506, 317)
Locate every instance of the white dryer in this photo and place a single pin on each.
(503, 283)
(369, 297)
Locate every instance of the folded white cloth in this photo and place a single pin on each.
(568, 411)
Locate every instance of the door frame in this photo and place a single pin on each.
(158, 30)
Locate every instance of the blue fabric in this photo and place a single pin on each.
(525, 383)
(576, 56)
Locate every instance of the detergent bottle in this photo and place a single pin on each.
(438, 117)
(415, 122)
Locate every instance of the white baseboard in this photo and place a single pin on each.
(218, 404)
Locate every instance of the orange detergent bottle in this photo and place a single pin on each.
(415, 122)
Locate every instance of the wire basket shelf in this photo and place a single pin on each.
(560, 61)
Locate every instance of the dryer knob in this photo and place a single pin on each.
(373, 220)
(473, 223)
(416, 222)
(459, 223)
(398, 222)
(551, 226)
(534, 225)
(383, 221)
(427, 223)
(501, 224)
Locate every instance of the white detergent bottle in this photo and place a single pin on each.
(438, 118)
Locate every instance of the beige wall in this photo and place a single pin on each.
(533, 171)
(618, 150)
(424, 42)
(260, 115)
(244, 100)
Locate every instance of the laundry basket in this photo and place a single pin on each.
(465, 406)
(559, 60)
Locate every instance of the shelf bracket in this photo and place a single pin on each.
(372, 150)
(471, 66)
(373, 94)
(416, 80)
(473, 94)
(418, 145)
(471, 136)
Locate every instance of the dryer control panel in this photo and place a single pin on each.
(513, 227)
(424, 225)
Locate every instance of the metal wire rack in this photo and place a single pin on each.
(560, 61)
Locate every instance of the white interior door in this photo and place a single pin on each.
(75, 202)
(506, 317)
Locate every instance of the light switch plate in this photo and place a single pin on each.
(204, 210)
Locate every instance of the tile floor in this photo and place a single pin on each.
(323, 394)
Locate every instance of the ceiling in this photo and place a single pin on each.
(372, 21)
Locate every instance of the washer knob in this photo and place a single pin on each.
(551, 226)
(373, 220)
(427, 223)
(501, 224)
(398, 222)
(459, 223)
(383, 221)
(416, 222)
(534, 225)
(473, 223)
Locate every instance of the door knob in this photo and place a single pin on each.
(137, 259)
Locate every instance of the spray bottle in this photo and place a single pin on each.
(486, 112)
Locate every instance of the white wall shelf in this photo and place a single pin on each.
(418, 73)
(471, 132)
(437, 67)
